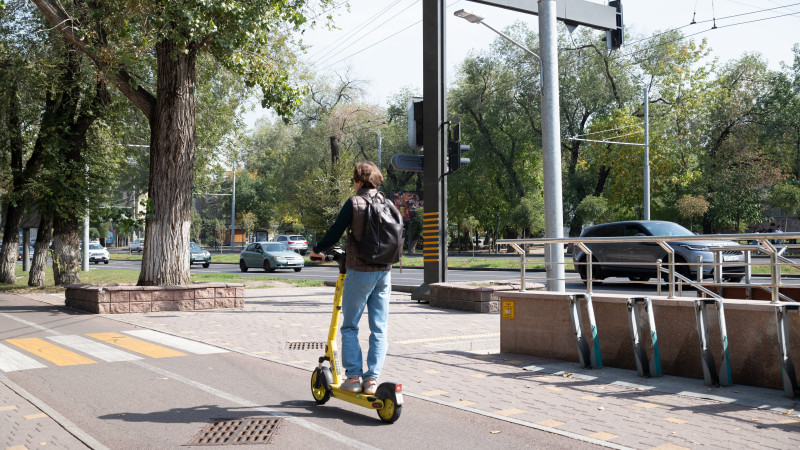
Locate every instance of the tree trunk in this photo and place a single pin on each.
(335, 150)
(66, 260)
(165, 260)
(36, 277)
(13, 210)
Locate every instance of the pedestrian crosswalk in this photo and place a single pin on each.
(70, 350)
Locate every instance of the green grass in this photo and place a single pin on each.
(132, 276)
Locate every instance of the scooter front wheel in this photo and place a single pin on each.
(319, 388)
(390, 411)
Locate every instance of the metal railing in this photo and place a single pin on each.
(764, 244)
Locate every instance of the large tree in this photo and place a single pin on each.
(251, 39)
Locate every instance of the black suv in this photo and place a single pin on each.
(637, 260)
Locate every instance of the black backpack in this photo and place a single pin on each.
(382, 240)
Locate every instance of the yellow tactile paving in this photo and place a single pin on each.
(51, 352)
(603, 436)
(789, 422)
(464, 403)
(479, 375)
(553, 388)
(136, 345)
(510, 412)
(646, 405)
(550, 423)
(17, 447)
(8, 408)
(675, 420)
(35, 416)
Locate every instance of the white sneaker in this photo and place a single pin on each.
(370, 386)
(352, 384)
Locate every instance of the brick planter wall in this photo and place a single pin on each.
(466, 297)
(129, 298)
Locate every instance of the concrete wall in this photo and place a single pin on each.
(542, 327)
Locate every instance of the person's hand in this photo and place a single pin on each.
(317, 257)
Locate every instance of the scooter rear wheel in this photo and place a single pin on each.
(319, 390)
(390, 411)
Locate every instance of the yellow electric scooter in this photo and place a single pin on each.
(326, 381)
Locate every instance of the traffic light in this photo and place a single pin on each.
(615, 38)
(456, 150)
(415, 123)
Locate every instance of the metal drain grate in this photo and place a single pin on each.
(250, 430)
(305, 346)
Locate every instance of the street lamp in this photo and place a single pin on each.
(474, 18)
(551, 156)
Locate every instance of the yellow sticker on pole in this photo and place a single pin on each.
(508, 310)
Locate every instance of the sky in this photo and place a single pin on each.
(380, 42)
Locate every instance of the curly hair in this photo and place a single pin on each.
(368, 174)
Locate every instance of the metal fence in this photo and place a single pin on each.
(668, 271)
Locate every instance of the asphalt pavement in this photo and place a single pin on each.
(459, 389)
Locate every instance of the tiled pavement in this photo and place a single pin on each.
(453, 357)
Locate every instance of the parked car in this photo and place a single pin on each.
(137, 245)
(98, 253)
(637, 260)
(270, 256)
(199, 255)
(19, 252)
(296, 242)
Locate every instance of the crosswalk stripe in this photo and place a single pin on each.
(51, 352)
(176, 342)
(136, 345)
(12, 360)
(94, 349)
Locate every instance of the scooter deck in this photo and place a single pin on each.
(367, 401)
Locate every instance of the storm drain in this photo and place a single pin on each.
(250, 430)
(305, 346)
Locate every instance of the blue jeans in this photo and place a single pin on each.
(371, 290)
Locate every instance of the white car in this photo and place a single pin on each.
(137, 245)
(98, 253)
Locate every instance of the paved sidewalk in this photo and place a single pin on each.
(452, 357)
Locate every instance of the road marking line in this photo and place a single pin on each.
(51, 352)
(136, 345)
(94, 349)
(12, 360)
(176, 342)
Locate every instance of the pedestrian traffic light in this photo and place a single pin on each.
(415, 123)
(455, 149)
(615, 37)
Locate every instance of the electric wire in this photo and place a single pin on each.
(347, 36)
(328, 65)
(610, 129)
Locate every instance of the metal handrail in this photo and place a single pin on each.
(764, 245)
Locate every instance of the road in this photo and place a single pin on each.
(414, 277)
(120, 386)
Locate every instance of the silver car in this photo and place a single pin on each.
(637, 260)
(295, 242)
(269, 256)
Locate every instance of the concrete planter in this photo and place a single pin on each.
(129, 298)
(539, 324)
(470, 297)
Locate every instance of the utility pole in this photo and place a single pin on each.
(551, 145)
(434, 143)
(233, 210)
(646, 154)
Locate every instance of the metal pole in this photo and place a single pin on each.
(646, 154)
(379, 150)
(85, 263)
(233, 210)
(551, 145)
